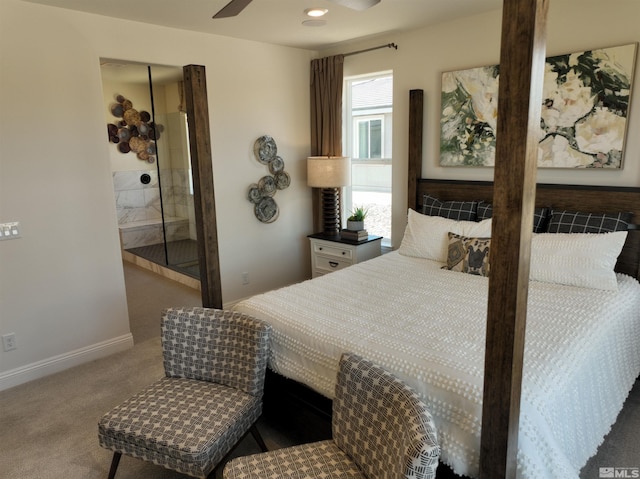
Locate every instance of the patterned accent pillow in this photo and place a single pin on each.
(468, 255)
(576, 222)
(454, 210)
(540, 216)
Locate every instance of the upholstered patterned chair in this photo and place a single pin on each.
(209, 399)
(381, 429)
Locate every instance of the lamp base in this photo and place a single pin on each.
(331, 218)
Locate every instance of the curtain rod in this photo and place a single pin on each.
(388, 45)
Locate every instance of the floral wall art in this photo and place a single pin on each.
(583, 124)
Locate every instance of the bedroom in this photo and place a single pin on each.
(58, 186)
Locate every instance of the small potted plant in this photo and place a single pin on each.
(355, 222)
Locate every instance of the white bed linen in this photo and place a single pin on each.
(427, 325)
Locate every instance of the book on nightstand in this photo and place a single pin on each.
(350, 235)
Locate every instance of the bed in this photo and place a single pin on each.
(426, 324)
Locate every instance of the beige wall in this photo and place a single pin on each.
(422, 56)
(61, 285)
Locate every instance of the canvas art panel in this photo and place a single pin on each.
(583, 123)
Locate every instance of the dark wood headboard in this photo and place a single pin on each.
(588, 199)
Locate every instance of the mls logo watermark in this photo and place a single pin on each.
(619, 472)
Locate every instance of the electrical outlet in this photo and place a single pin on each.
(9, 342)
(245, 278)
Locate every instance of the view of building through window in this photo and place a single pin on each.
(367, 126)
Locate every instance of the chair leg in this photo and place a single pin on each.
(256, 435)
(114, 464)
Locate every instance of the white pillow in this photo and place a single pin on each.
(577, 259)
(427, 236)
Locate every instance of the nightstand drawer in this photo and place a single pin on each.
(330, 264)
(331, 253)
(331, 250)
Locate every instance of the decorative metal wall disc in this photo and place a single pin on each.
(283, 180)
(254, 194)
(261, 194)
(276, 165)
(134, 131)
(267, 185)
(267, 210)
(265, 149)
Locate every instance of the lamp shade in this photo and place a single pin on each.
(328, 171)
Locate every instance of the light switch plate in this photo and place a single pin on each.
(9, 230)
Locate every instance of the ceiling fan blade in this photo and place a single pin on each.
(356, 4)
(231, 9)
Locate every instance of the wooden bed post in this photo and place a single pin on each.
(195, 88)
(522, 62)
(416, 114)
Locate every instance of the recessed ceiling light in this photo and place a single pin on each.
(314, 23)
(315, 12)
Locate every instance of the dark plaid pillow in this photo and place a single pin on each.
(576, 222)
(540, 216)
(454, 210)
(485, 210)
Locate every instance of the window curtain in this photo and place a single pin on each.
(326, 117)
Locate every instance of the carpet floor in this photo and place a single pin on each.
(49, 426)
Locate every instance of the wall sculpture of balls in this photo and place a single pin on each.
(261, 193)
(133, 132)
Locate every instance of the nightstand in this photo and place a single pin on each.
(331, 253)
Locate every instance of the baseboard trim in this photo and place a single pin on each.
(46, 367)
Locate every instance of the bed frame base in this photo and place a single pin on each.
(294, 407)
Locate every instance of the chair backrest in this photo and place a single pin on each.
(224, 347)
(382, 424)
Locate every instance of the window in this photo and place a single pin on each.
(368, 109)
(369, 138)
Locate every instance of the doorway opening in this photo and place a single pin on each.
(151, 164)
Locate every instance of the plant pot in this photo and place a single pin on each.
(355, 225)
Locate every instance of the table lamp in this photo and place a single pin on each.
(330, 173)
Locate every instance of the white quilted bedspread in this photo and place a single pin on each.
(427, 326)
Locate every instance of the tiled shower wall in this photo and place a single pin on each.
(137, 202)
(139, 210)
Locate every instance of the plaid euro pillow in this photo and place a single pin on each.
(540, 216)
(577, 222)
(454, 210)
